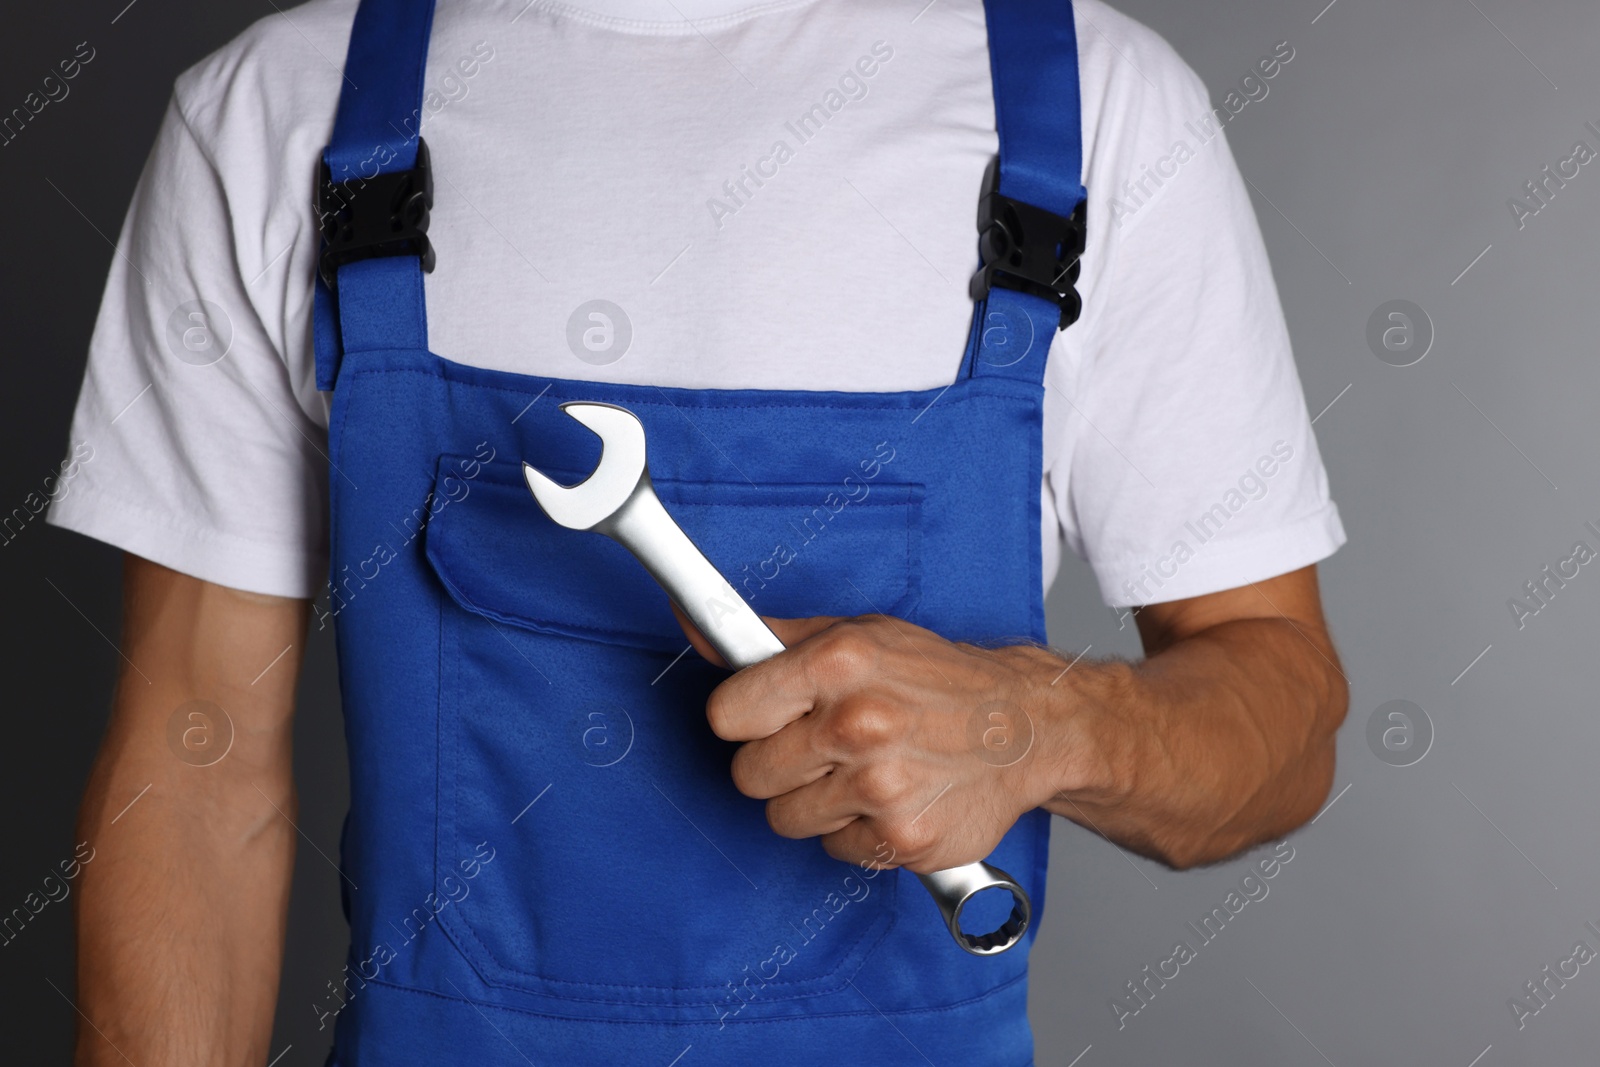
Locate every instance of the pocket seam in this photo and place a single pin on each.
(438, 547)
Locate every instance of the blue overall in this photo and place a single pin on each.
(545, 858)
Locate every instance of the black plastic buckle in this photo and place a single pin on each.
(1027, 248)
(384, 215)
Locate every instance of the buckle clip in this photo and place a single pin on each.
(384, 215)
(1027, 248)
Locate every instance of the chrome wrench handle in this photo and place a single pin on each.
(643, 527)
(635, 518)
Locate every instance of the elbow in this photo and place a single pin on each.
(1318, 778)
(1335, 701)
(1315, 771)
(1183, 857)
(1322, 751)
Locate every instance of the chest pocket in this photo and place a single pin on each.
(572, 727)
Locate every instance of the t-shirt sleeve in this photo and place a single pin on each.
(1186, 463)
(207, 455)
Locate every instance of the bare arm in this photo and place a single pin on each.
(873, 732)
(1223, 737)
(181, 914)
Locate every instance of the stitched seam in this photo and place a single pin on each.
(939, 1010)
(554, 628)
(909, 594)
(843, 979)
(818, 405)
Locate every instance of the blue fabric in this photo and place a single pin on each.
(380, 302)
(1033, 59)
(380, 104)
(546, 860)
(1036, 101)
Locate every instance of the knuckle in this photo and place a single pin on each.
(842, 651)
(865, 724)
(910, 841)
(885, 629)
(883, 784)
(876, 623)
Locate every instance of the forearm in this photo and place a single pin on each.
(181, 914)
(1216, 743)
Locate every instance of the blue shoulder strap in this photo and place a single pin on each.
(379, 302)
(1033, 56)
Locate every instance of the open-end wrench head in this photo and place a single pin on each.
(599, 496)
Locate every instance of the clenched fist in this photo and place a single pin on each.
(893, 744)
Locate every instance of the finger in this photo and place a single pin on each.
(759, 701)
(785, 761)
(860, 843)
(823, 807)
(896, 842)
(756, 703)
(880, 791)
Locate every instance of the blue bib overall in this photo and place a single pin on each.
(545, 859)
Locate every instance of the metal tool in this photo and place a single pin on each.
(618, 500)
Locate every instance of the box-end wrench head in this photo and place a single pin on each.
(617, 500)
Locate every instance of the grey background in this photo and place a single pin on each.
(1423, 898)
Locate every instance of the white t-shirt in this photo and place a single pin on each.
(628, 151)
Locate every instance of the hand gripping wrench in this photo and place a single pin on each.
(618, 500)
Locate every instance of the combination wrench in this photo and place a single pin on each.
(617, 500)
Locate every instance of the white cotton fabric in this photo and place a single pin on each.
(611, 151)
